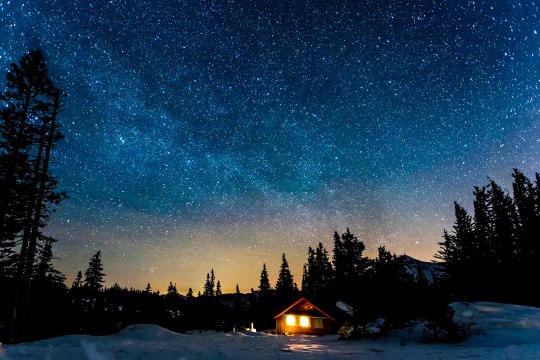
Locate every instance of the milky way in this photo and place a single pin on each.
(220, 134)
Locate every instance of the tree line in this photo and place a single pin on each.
(494, 254)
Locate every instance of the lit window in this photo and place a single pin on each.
(290, 320)
(304, 321)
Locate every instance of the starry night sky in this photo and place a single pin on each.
(218, 134)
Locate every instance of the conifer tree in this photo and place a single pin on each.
(189, 294)
(93, 276)
(28, 133)
(209, 285)
(483, 230)
(171, 289)
(528, 220)
(148, 288)
(212, 283)
(207, 290)
(350, 264)
(78, 282)
(218, 289)
(318, 274)
(45, 271)
(504, 224)
(264, 283)
(309, 274)
(285, 283)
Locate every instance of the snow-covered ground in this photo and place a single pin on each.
(501, 332)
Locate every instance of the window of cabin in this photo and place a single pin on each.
(317, 323)
(290, 320)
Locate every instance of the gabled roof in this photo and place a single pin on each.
(298, 302)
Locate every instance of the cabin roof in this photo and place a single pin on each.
(298, 302)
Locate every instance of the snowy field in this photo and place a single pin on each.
(501, 332)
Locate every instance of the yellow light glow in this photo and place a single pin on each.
(290, 320)
(304, 321)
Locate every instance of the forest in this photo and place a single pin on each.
(492, 254)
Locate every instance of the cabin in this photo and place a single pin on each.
(303, 317)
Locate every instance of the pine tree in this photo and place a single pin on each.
(28, 133)
(189, 294)
(483, 229)
(45, 271)
(528, 221)
(237, 290)
(504, 225)
(264, 284)
(171, 289)
(350, 264)
(309, 274)
(212, 283)
(93, 276)
(148, 288)
(78, 282)
(324, 269)
(218, 289)
(207, 290)
(285, 283)
(318, 274)
(209, 285)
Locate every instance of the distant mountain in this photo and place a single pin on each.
(432, 271)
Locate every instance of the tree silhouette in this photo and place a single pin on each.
(264, 283)
(318, 274)
(78, 282)
(93, 276)
(349, 262)
(285, 283)
(28, 133)
(495, 255)
(209, 285)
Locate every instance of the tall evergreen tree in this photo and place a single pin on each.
(309, 275)
(318, 274)
(45, 271)
(285, 283)
(504, 225)
(264, 283)
(78, 281)
(93, 276)
(218, 289)
(28, 133)
(528, 219)
(209, 285)
(171, 289)
(483, 229)
(350, 264)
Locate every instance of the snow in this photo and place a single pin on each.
(500, 331)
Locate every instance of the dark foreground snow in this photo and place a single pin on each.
(501, 332)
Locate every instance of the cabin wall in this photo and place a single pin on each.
(283, 328)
